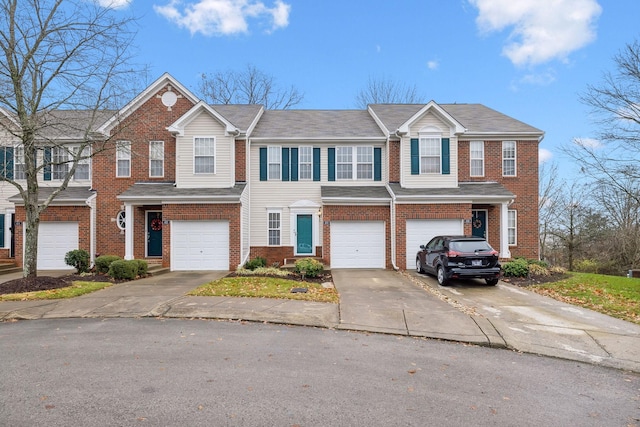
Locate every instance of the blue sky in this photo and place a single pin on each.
(529, 59)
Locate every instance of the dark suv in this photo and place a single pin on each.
(459, 257)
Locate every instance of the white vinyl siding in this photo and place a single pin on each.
(123, 159)
(508, 158)
(204, 149)
(204, 125)
(476, 158)
(305, 163)
(512, 227)
(156, 159)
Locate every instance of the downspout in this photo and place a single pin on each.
(247, 177)
(392, 209)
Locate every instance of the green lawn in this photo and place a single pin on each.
(266, 287)
(76, 289)
(615, 296)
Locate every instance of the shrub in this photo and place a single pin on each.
(309, 267)
(263, 271)
(540, 263)
(143, 267)
(519, 267)
(124, 269)
(257, 262)
(79, 259)
(104, 261)
(538, 270)
(586, 266)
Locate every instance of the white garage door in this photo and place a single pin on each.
(55, 239)
(420, 231)
(199, 245)
(357, 244)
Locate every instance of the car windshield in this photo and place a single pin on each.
(470, 246)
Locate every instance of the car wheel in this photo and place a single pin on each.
(442, 279)
(492, 282)
(419, 268)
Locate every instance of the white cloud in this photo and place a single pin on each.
(433, 64)
(544, 155)
(541, 31)
(222, 17)
(590, 143)
(114, 4)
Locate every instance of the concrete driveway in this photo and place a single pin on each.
(534, 323)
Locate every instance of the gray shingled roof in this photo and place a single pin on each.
(168, 191)
(70, 195)
(70, 124)
(242, 116)
(354, 192)
(317, 124)
(473, 190)
(476, 118)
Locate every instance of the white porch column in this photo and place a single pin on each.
(504, 232)
(128, 231)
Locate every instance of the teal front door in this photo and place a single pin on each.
(154, 234)
(304, 243)
(479, 223)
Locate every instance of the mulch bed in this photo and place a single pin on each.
(530, 280)
(321, 278)
(44, 283)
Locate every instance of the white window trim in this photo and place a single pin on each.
(300, 163)
(277, 149)
(151, 143)
(120, 150)
(354, 163)
(215, 157)
(515, 158)
(279, 228)
(86, 161)
(514, 228)
(471, 158)
(423, 140)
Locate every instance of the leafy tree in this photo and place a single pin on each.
(247, 86)
(56, 55)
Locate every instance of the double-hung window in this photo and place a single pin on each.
(508, 158)
(18, 162)
(344, 162)
(274, 157)
(305, 163)
(123, 159)
(204, 155)
(274, 227)
(430, 154)
(156, 159)
(59, 163)
(83, 169)
(512, 226)
(364, 163)
(476, 158)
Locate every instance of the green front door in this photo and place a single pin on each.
(154, 234)
(479, 223)
(304, 244)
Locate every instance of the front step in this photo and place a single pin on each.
(9, 267)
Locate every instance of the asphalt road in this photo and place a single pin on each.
(151, 372)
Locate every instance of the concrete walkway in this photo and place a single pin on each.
(380, 301)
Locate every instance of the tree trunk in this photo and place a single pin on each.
(31, 226)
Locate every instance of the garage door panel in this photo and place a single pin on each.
(200, 245)
(55, 239)
(358, 244)
(420, 231)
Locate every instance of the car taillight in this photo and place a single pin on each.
(453, 254)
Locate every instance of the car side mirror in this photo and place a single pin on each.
(422, 247)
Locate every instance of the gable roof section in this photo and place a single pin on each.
(179, 125)
(321, 125)
(475, 119)
(359, 195)
(144, 96)
(70, 196)
(244, 116)
(167, 192)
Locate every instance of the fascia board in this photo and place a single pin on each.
(133, 105)
(502, 135)
(409, 199)
(179, 125)
(355, 201)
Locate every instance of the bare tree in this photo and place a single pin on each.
(387, 91)
(615, 105)
(57, 56)
(248, 86)
(549, 203)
